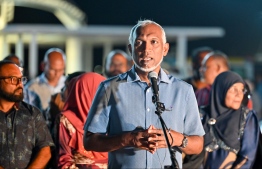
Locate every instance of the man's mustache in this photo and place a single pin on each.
(18, 89)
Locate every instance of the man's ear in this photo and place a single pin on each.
(42, 66)
(166, 48)
(130, 49)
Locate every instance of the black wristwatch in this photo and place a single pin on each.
(184, 142)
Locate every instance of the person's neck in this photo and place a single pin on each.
(53, 83)
(5, 106)
(199, 84)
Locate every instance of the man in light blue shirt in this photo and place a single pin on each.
(51, 81)
(122, 119)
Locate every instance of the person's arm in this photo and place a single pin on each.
(41, 159)
(65, 157)
(103, 143)
(150, 139)
(249, 143)
(194, 146)
(43, 142)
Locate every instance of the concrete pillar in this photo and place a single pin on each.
(181, 54)
(74, 55)
(33, 57)
(4, 46)
(2, 39)
(88, 58)
(19, 48)
(107, 47)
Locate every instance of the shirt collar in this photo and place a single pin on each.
(43, 79)
(133, 76)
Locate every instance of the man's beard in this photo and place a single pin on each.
(147, 69)
(11, 96)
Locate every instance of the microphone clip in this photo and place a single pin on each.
(160, 106)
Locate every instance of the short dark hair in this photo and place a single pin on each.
(74, 74)
(5, 62)
(10, 56)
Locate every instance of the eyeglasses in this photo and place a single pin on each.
(235, 91)
(15, 80)
(202, 69)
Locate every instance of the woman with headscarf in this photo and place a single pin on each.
(71, 150)
(232, 130)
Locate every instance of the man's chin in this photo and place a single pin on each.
(146, 70)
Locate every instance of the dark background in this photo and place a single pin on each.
(241, 19)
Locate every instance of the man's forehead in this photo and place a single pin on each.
(54, 57)
(147, 30)
(10, 70)
(118, 55)
(210, 61)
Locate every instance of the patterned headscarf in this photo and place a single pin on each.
(82, 91)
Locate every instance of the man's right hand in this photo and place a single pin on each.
(141, 139)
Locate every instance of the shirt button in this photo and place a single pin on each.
(148, 109)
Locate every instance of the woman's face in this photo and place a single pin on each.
(235, 96)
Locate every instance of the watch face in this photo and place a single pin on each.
(185, 141)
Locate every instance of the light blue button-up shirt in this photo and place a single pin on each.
(41, 87)
(124, 103)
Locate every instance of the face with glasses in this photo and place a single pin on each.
(118, 65)
(54, 67)
(235, 96)
(209, 70)
(12, 81)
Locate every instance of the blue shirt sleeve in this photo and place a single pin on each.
(192, 123)
(98, 115)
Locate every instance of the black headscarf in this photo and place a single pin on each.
(227, 120)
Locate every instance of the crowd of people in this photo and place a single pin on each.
(125, 118)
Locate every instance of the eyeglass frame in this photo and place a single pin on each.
(203, 67)
(18, 79)
(236, 91)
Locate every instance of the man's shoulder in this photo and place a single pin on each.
(188, 80)
(33, 82)
(121, 78)
(179, 82)
(28, 109)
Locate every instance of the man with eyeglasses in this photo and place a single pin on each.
(117, 62)
(212, 65)
(197, 56)
(24, 140)
(51, 81)
(30, 97)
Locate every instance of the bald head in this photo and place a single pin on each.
(54, 66)
(117, 62)
(213, 64)
(221, 60)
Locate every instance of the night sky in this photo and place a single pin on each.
(241, 19)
